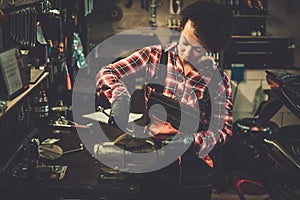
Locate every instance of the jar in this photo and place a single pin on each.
(41, 107)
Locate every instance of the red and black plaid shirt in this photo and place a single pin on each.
(188, 89)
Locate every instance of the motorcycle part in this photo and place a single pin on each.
(288, 85)
(283, 148)
(244, 150)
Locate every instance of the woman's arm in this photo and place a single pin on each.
(110, 79)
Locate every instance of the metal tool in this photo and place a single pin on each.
(53, 151)
(75, 150)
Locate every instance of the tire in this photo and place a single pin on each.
(280, 185)
(283, 178)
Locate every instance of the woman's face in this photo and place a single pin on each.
(189, 48)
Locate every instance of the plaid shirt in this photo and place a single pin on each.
(188, 89)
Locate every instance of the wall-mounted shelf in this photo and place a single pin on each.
(248, 37)
(13, 102)
(250, 16)
(173, 27)
(12, 4)
(246, 24)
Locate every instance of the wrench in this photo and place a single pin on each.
(75, 150)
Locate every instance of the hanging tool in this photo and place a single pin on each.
(68, 78)
(153, 7)
(61, 43)
(143, 4)
(128, 4)
(34, 28)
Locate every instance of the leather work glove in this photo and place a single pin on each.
(120, 112)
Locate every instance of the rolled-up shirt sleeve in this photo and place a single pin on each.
(220, 125)
(110, 79)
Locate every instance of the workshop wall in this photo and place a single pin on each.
(250, 94)
(112, 17)
(116, 16)
(283, 20)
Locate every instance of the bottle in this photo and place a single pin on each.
(41, 108)
(49, 69)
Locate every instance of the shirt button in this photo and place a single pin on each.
(179, 96)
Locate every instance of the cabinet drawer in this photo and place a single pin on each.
(259, 53)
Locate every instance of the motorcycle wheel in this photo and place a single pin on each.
(283, 180)
(280, 185)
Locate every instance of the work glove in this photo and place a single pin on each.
(120, 112)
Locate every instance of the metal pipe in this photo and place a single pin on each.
(284, 152)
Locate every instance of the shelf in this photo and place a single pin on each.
(19, 4)
(13, 102)
(248, 37)
(250, 16)
(173, 27)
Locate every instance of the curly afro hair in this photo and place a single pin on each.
(213, 23)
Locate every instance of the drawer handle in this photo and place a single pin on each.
(254, 52)
(252, 42)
